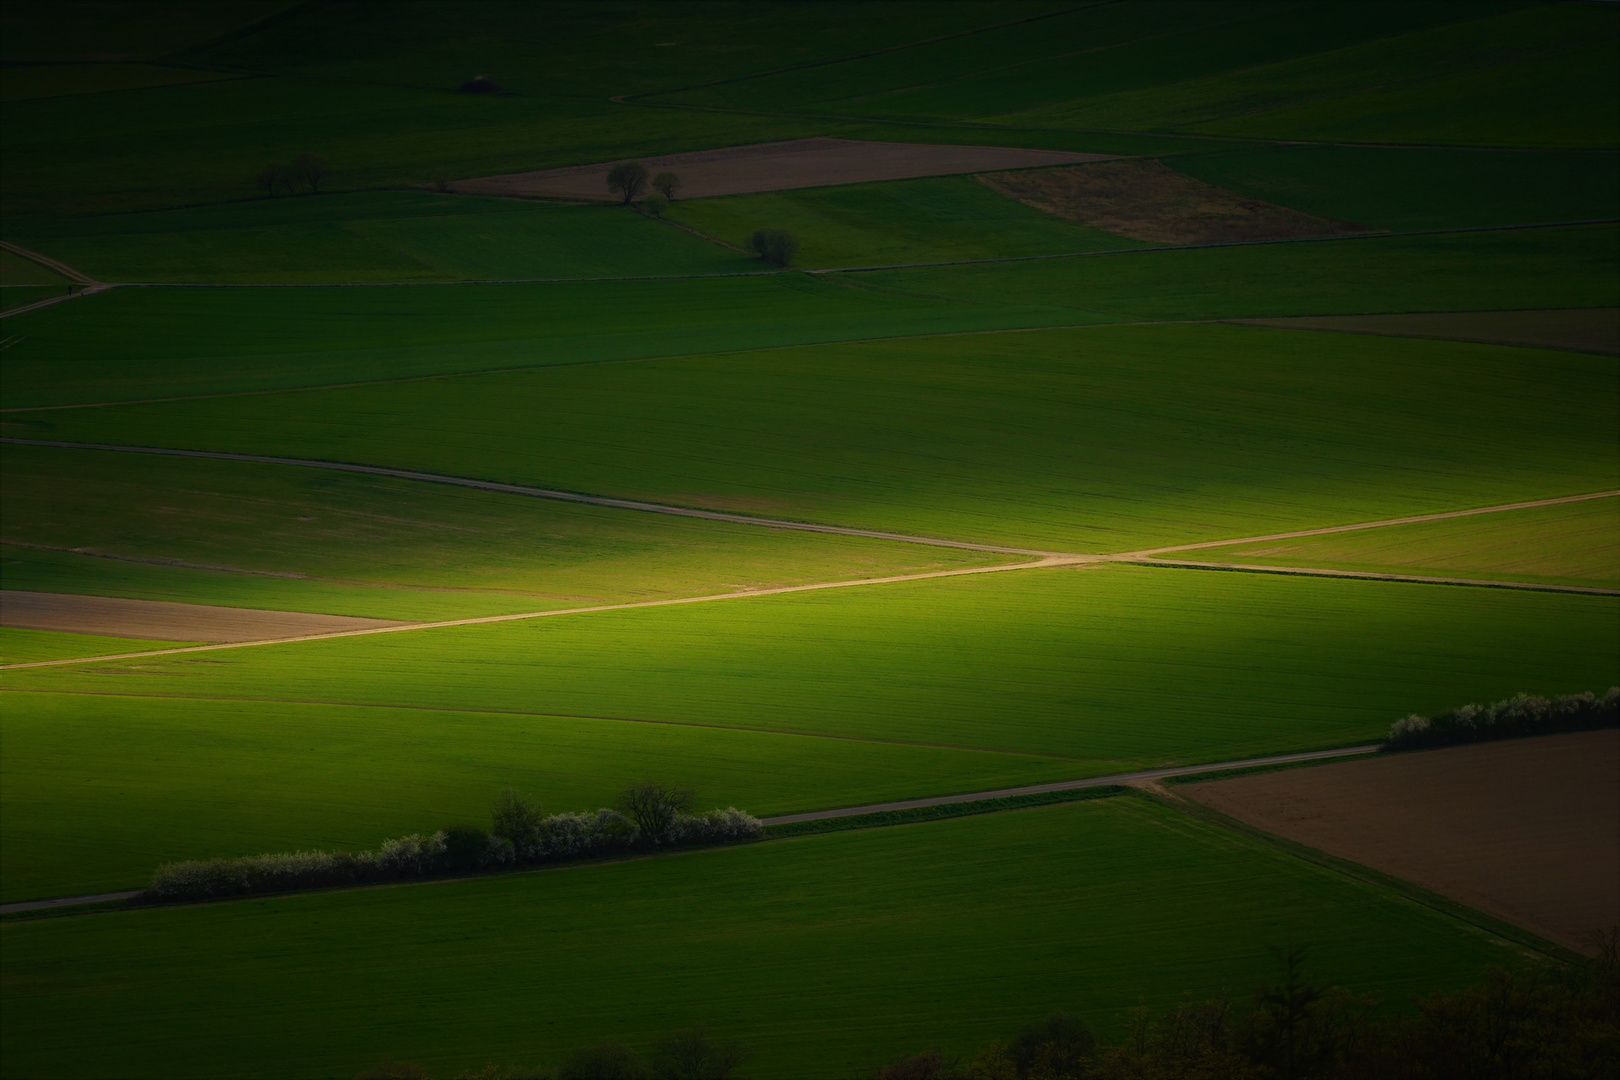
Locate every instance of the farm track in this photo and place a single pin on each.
(1140, 776)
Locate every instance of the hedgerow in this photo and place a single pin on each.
(1512, 718)
(522, 837)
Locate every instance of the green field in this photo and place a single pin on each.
(1572, 544)
(827, 954)
(1039, 672)
(376, 236)
(19, 646)
(268, 536)
(1098, 439)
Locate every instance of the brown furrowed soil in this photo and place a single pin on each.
(1148, 200)
(778, 166)
(1581, 329)
(1527, 830)
(115, 616)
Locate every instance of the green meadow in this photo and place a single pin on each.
(827, 954)
(267, 536)
(1094, 439)
(1573, 544)
(889, 691)
(20, 646)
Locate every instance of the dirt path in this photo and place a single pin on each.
(1595, 330)
(1370, 575)
(86, 283)
(878, 808)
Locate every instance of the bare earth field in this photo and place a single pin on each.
(1148, 200)
(778, 166)
(1527, 830)
(1582, 329)
(117, 617)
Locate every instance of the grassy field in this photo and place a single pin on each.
(1100, 439)
(19, 646)
(375, 236)
(1237, 667)
(827, 954)
(1401, 188)
(239, 534)
(1573, 544)
(908, 221)
(98, 789)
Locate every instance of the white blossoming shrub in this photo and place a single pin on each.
(1517, 716)
(540, 839)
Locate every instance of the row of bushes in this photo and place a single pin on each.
(1552, 1021)
(655, 817)
(307, 171)
(1509, 719)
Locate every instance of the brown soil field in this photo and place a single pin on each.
(1581, 329)
(119, 617)
(1527, 830)
(1148, 200)
(777, 166)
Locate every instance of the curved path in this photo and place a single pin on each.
(879, 808)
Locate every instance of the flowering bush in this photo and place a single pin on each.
(1509, 719)
(459, 850)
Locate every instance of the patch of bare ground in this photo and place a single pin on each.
(1527, 830)
(777, 166)
(1594, 330)
(1147, 200)
(116, 616)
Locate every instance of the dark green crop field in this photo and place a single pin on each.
(972, 926)
(269, 188)
(1098, 439)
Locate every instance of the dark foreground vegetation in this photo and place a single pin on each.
(650, 816)
(1510, 719)
(1528, 1024)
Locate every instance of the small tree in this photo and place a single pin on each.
(694, 1054)
(629, 179)
(653, 807)
(310, 169)
(270, 177)
(655, 204)
(775, 246)
(604, 1061)
(516, 820)
(667, 184)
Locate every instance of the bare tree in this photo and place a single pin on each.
(270, 177)
(653, 807)
(629, 179)
(694, 1054)
(311, 169)
(667, 183)
(655, 204)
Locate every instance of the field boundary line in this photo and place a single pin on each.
(877, 808)
(1147, 553)
(560, 496)
(1369, 575)
(742, 594)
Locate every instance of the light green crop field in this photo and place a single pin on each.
(1047, 662)
(1572, 544)
(1402, 188)
(19, 646)
(1094, 439)
(98, 789)
(376, 236)
(269, 536)
(903, 222)
(827, 954)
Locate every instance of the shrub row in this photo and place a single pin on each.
(461, 849)
(1509, 719)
